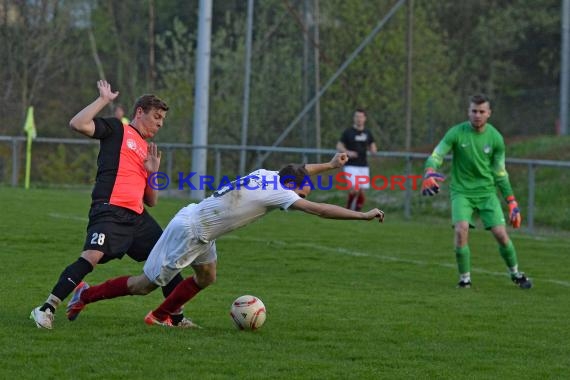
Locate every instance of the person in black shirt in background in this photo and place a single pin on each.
(356, 141)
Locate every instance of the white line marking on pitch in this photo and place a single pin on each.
(349, 252)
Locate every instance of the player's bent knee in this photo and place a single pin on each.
(140, 285)
(205, 274)
(146, 290)
(143, 290)
(502, 237)
(462, 227)
(205, 279)
(211, 278)
(92, 256)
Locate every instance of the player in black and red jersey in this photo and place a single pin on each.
(118, 221)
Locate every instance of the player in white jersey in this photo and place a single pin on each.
(189, 238)
(229, 208)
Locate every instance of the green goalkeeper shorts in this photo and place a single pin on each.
(488, 207)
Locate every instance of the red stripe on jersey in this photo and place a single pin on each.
(130, 182)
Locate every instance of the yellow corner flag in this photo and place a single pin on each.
(30, 128)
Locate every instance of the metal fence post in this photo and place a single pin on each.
(531, 188)
(218, 166)
(408, 193)
(15, 161)
(306, 153)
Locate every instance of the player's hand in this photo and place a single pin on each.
(375, 214)
(152, 160)
(339, 160)
(430, 185)
(515, 217)
(352, 154)
(105, 91)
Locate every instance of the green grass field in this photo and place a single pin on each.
(345, 300)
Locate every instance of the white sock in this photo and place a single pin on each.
(53, 301)
(465, 277)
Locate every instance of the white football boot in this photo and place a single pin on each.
(43, 319)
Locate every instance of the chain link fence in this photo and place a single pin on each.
(72, 163)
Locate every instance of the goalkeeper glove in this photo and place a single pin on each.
(430, 184)
(515, 217)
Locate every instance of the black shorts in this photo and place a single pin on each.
(117, 231)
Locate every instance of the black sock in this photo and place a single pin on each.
(71, 277)
(168, 288)
(176, 318)
(47, 306)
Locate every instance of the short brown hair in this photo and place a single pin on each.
(480, 99)
(295, 173)
(148, 102)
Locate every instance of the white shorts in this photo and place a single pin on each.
(357, 171)
(177, 248)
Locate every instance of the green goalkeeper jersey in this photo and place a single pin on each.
(478, 160)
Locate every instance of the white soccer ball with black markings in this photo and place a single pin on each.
(248, 313)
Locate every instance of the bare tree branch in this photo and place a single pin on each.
(93, 44)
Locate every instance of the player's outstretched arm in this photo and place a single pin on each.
(328, 211)
(341, 148)
(82, 122)
(336, 162)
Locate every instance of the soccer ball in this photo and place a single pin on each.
(248, 312)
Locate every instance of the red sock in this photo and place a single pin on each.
(350, 199)
(113, 288)
(183, 293)
(360, 201)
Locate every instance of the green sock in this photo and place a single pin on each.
(463, 258)
(509, 254)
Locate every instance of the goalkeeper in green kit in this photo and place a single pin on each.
(478, 168)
